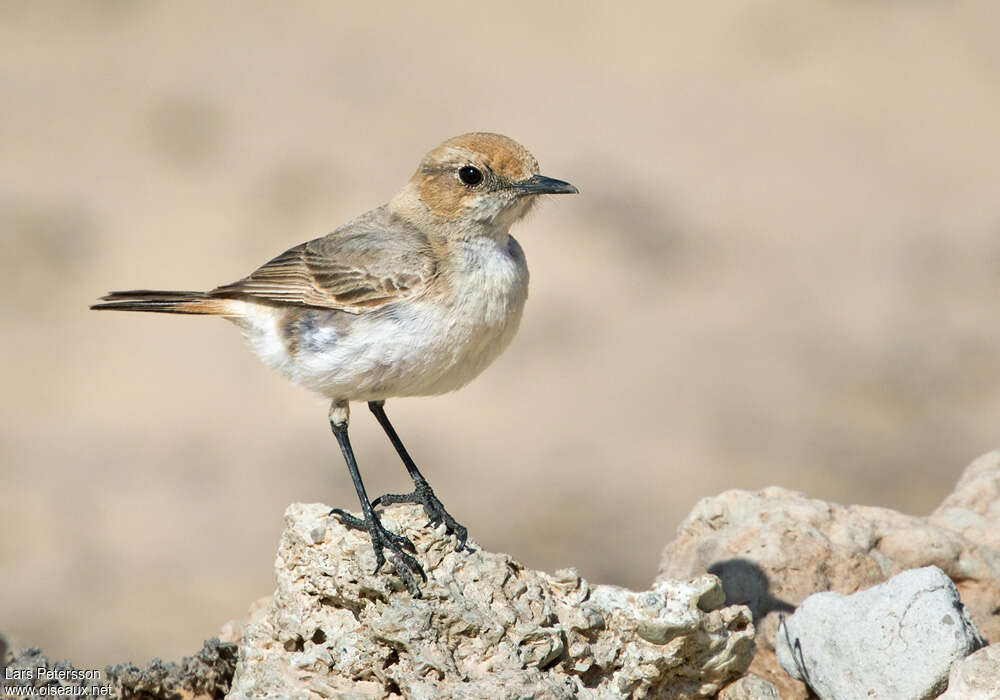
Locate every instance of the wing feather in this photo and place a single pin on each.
(372, 261)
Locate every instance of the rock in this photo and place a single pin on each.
(973, 508)
(773, 548)
(750, 687)
(973, 511)
(485, 626)
(204, 676)
(895, 641)
(208, 674)
(976, 677)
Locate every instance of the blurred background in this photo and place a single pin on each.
(782, 269)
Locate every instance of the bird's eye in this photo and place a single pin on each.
(469, 175)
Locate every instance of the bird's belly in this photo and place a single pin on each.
(417, 348)
(413, 351)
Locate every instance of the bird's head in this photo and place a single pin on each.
(477, 184)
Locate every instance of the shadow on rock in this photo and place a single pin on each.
(745, 583)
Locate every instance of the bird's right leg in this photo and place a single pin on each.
(422, 493)
(406, 566)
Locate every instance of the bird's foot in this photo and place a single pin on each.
(398, 547)
(424, 495)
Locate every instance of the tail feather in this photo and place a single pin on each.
(166, 302)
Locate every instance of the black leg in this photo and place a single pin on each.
(406, 566)
(422, 492)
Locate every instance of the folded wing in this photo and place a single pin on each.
(372, 261)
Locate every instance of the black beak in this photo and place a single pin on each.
(539, 184)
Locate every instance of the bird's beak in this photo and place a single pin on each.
(539, 184)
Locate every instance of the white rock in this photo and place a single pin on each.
(895, 641)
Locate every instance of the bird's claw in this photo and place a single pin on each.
(405, 564)
(422, 494)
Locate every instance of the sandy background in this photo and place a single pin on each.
(783, 269)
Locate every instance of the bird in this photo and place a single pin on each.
(413, 298)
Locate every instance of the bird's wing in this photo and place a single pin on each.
(368, 263)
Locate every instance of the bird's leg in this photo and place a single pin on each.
(406, 566)
(422, 492)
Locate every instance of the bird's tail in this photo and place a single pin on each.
(165, 302)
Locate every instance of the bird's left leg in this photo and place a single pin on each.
(382, 539)
(422, 492)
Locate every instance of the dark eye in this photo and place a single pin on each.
(469, 175)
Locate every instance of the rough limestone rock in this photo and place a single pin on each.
(773, 548)
(750, 687)
(895, 641)
(484, 627)
(976, 677)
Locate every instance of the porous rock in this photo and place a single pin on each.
(976, 677)
(484, 626)
(775, 547)
(895, 641)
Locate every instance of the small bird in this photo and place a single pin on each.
(414, 298)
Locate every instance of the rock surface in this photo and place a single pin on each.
(895, 641)
(773, 548)
(207, 674)
(973, 508)
(750, 687)
(976, 677)
(484, 627)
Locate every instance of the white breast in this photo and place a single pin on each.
(483, 314)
